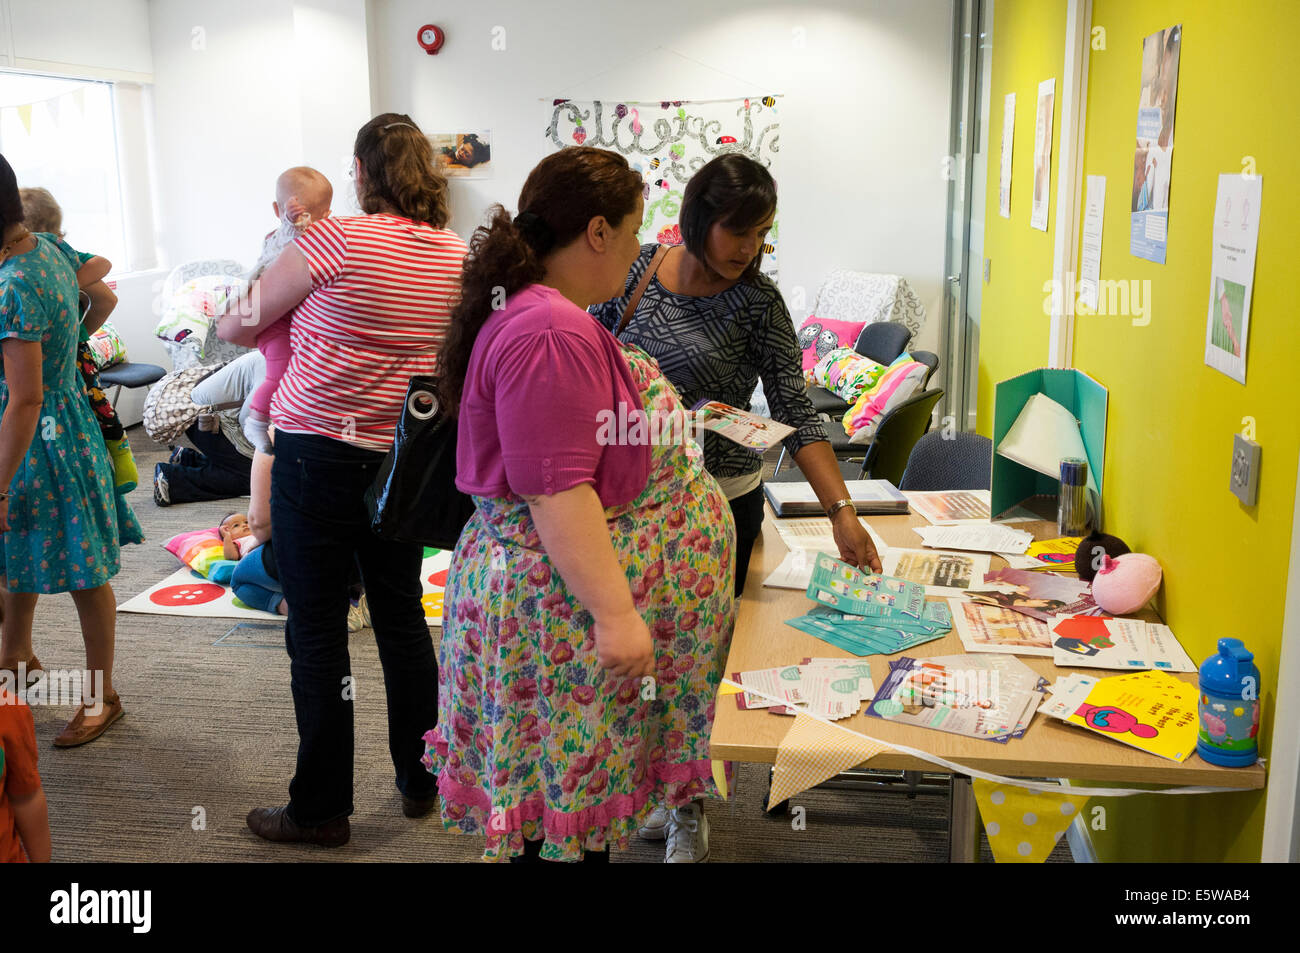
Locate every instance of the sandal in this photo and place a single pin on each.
(33, 670)
(78, 732)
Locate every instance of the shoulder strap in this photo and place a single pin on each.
(635, 300)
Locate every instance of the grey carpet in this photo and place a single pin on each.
(209, 733)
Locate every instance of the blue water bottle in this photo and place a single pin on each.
(1228, 707)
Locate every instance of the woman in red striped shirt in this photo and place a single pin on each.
(370, 297)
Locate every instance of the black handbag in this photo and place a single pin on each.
(414, 498)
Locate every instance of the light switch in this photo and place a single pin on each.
(1244, 482)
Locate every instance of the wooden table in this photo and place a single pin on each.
(1049, 749)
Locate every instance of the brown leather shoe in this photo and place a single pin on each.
(33, 668)
(77, 732)
(274, 823)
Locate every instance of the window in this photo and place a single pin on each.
(61, 134)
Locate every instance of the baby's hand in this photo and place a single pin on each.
(297, 215)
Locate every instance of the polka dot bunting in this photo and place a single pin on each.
(1023, 826)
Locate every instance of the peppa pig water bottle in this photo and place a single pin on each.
(1228, 707)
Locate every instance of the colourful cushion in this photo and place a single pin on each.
(819, 336)
(107, 346)
(193, 307)
(199, 549)
(900, 381)
(846, 373)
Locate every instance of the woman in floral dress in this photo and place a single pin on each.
(58, 518)
(590, 603)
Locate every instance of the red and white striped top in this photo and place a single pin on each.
(382, 288)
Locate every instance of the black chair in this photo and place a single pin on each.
(885, 457)
(962, 461)
(130, 375)
(930, 360)
(882, 341)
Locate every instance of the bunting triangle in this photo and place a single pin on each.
(813, 751)
(1023, 826)
(25, 117)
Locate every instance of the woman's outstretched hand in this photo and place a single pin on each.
(856, 547)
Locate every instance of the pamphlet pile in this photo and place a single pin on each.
(826, 687)
(992, 697)
(869, 614)
(1153, 711)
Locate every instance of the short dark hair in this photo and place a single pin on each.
(732, 189)
(11, 203)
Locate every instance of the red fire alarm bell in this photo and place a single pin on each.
(431, 38)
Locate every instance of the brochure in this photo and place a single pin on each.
(740, 426)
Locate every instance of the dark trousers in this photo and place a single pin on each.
(320, 526)
(216, 472)
(747, 511)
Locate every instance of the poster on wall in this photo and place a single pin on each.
(1155, 144)
(1094, 214)
(1043, 153)
(1008, 140)
(1232, 272)
(667, 142)
(463, 154)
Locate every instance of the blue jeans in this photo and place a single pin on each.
(253, 584)
(321, 527)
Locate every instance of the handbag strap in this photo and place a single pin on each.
(635, 300)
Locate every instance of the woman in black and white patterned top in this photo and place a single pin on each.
(716, 325)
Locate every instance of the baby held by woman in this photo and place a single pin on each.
(302, 196)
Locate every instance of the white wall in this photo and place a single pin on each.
(243, 90)
(104, 39)
(275, 83)
(864, 121)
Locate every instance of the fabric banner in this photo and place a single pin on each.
(667, 142)
(813, 751)
(1023, 826)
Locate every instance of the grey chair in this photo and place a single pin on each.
(962, 461)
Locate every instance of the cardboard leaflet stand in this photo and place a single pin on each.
(1039, 418)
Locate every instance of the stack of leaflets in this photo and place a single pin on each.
(1068, 693)
(992, 697)
(1127, 644)
(1036, 594)
(1048, 554)
(870, 634)
(826, 687)
(1151, 711)
(975, 537)
(867, 614)
(874, 497)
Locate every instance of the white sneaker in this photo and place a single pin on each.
(656, 825)
(364, 605)
(357, 617)
(688, 836)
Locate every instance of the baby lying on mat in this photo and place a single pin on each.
(255, 580)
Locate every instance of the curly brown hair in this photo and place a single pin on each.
(398, 171)
(560, 197)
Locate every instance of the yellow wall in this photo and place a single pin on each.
(1014, 327)
(1171, 418)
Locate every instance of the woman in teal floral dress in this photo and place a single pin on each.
(589, 606)
(58, 518)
